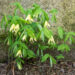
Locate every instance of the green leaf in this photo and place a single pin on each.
(54, 11)
(45, 57)
(24, 53)
(9, 38)
(69, 35)
(46, 16)
(47, 33)
(43, 47)
(18, 6)
(72, 33)
(60, 32)
(53, 18)
(6, 21)
(52, 61)
(21, 60)
(63, 47)
(30, 31)
(42, 36)
(39, 27)
(15, 50)
(36, 12)
(42, 53)
(30, 54)
(14, 19)
(60, 56)
(19, 65)
(72, 40)
(36, 5)
(20, 44)
(28, 11)
(2, 22)
(38, 52)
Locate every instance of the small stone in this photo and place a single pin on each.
(73, 64)
(62, 70)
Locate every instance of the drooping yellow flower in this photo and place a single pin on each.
(31, 40)
(19, 66)
(19, 53)
(17, 28)
(8, 43)
(14, 28)
(35, 39)
(29, 18)
(24, 38)
(51, 40)
(47, 24)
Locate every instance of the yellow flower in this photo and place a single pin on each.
(29, 18)
(8, 43)
(24, 38)
(35, 39)
(12, 28)
(31, 40)
(47, 24)
(19, 66)
(51, 40)
(19, 53)
(17, 28)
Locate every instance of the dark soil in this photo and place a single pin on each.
(61, 68)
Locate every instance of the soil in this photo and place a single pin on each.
(61, 68)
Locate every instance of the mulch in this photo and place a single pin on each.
(61, 68)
